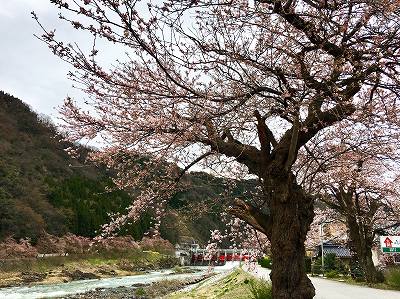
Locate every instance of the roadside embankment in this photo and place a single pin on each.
(236, 284)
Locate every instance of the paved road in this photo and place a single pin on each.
(328, 289)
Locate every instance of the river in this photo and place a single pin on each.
(82, 286)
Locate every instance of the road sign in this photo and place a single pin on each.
(390, 243)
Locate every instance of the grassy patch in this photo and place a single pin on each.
(236, 285)
(260, 289)
(392, 280)
(393, 277)
(349, 280)
(37, 265)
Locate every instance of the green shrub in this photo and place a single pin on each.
(265, 262)
(260, 289)
(393, 277)
(342, 268)
(316, 267)
(332, 274)
(359, 279)
(330, 262)
(380, 276)
(356, 271)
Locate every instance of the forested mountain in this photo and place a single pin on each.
(33, 166)
(44, 189)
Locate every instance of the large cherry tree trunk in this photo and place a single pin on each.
(360, 228)
(361, 236)
(286, 222)
(291, 216)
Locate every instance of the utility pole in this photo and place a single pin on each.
(321, 231)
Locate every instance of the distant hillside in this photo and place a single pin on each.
(32, 165)
(44, 189)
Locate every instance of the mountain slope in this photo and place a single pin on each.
(34, 169)
(28, 155)
(44, 189)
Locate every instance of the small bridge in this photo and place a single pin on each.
(196, 256)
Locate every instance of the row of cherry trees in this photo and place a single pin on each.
(243, 88)
(356, 177)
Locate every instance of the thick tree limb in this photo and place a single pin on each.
(243, 153)
(251, 215)
(315, 123)
(306, 27)
(381, 230)
(293, 144)
(264, 134)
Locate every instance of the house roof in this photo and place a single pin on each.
(340, 250)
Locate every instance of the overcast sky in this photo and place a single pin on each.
(28, 70)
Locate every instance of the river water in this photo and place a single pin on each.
(82, 286)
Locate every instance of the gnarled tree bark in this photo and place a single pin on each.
(290, 213)
(291, 219)
(360, 225)
(361, 243)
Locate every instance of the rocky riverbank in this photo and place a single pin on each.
(57, 270)
(140, 291)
